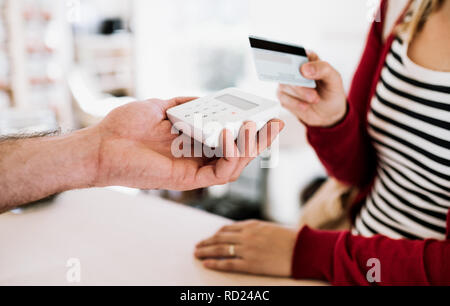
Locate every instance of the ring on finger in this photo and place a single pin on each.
(232, 250)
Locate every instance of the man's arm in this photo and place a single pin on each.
(131, 147)
(34, 168)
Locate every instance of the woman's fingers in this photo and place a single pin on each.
(309, 95)
(320, 70)
(218, 251)
(263, 248)
(291, 103)
(227, 265)
(312, 56)
(235, 227)
(220, 238)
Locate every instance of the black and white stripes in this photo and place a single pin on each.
(409, 123)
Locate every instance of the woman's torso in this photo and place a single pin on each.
(409, 124)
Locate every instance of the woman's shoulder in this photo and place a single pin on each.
(394, 10)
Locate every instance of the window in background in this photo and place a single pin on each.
(103, 75)
(194, 47)
(34, 58)
(190, 47)
(104, 45)
(199, 46)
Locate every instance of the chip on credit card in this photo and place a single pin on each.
(279, 62)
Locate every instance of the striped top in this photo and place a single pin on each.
(409, 125)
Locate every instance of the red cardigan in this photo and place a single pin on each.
(346, 152)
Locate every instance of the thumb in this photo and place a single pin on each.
(321, 71)
(176, 101)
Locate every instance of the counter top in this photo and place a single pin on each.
(116, 239)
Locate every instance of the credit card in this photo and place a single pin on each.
(279, 62)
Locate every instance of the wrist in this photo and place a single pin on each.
(339, 117)
(82, 147)
(313, 254)
(331, 120)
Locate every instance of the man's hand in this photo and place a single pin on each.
(135, 150)
(130, 147)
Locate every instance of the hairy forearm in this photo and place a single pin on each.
(34, 168)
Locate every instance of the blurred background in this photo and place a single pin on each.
(66, 63)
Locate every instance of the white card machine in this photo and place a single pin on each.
(204, 119)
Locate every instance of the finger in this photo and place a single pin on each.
(165, 132)
(235, 227)
(229, 148)
(166, 104)
(312, 56)
(291, 103)
(268, 134)
(226, 166)
(247, 140)
(303, 93)
(182, 100)
(247, 147)
(217, 251)
(320, 70)
(227, 265)
(221, 172)
(220, 238)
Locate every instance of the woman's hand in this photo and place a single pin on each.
(250, 247)
(323, 106)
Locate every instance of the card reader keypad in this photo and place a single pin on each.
(228, 108)
(209, 110)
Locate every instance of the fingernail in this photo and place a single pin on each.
(309, 70)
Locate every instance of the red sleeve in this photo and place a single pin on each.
(343, 259)
(345, 150)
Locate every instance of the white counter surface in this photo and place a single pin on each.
(117, 239)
